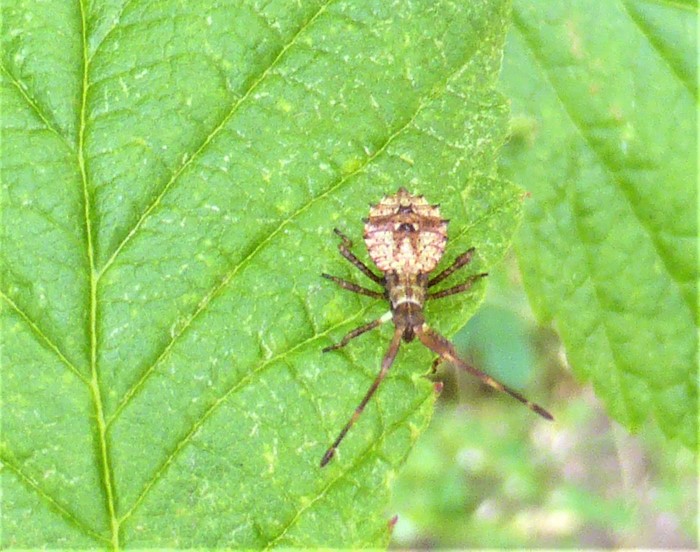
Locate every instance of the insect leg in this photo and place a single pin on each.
(438, 344)
(359, 331)
(354, 287)
(344, 248)
(387, 361)
(464, 286)
(458, 263)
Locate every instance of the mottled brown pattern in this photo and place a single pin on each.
(406, 238)
(405, 234)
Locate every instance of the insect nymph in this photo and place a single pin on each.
(406, 238)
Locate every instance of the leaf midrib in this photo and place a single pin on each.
(95, 276)
(93, 383)
(94, 386)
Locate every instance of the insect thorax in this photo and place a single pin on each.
(405, 235)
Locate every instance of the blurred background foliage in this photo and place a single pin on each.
(489, 473)
(604, 104)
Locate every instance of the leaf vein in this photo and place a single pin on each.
(100, 427)
(232, 390)
(672, 4)
(371, 448)
(210, 137)
(602, 321)
(46, 497)
(621, 183)
(50, 126)
(49, 343)
(644, 30)
(214, 292)
(427, 99)
(115, 24)
(621, 389)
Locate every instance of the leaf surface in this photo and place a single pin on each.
(604, 105)
(172, 173)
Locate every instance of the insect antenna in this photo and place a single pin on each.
(440, 345)
(387, 361)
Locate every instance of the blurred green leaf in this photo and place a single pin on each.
(172, 173)
(498, 342)
(604, 105)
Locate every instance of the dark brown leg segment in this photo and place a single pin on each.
(344, 248)
(386, 364)
(458, 288)
(354, 333)
(354, 287)
(458, 263)
(438, 344)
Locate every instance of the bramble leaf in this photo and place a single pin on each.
(604, 106)
(172, 173)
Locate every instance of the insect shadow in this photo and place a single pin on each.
(406, 238)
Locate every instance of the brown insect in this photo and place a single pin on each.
(406, 238)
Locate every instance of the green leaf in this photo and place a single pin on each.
(604, 105)
(172, 173)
